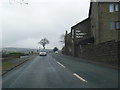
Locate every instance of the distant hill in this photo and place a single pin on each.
(13, 49)
(24, 50)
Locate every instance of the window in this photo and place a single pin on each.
(78, 31)
(111, 8)
(112, 25)
(79, 36)
(117, 25)
(116, 7)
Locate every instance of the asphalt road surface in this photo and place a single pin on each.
(60, 71)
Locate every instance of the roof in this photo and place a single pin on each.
(80, 22)
(90, 9)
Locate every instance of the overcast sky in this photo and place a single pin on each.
(25, 25)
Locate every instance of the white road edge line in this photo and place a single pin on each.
(61, 64)
(79, 77)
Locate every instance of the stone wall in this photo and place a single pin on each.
(107, 52)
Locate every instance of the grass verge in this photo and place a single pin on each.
(7, 65)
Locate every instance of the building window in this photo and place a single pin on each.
(117, 25)
(79, 36)
(116, 7)
(111, 8)
(78, 31)
(112, 25)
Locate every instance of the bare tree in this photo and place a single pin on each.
(43, 42)
(19, 1)
(55, 49)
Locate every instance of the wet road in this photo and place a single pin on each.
(60, 71)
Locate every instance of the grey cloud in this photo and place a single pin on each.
(22, 25)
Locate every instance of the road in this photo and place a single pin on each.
(60, 71)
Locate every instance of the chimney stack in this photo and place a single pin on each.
(66, 32)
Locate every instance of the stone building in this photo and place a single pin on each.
(105, 27)
(97, 37)
(81, 35)
(105, 21)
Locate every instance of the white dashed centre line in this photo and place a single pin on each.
(79, 77)
(61, 64)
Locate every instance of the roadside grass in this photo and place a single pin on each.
(6, 57)
(11, 60)
(12, 55)
(7, 65)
